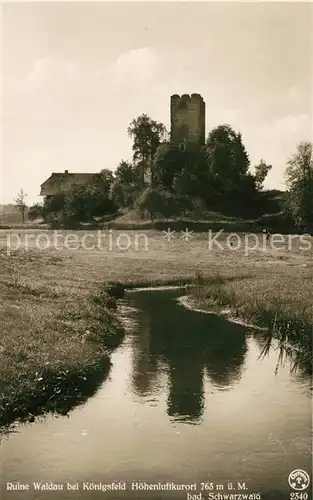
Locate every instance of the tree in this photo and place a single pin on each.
(82, 203)
(299, 180)
(21, 204)
(147, 135)
(107, 178)
(53, 206)
(125, 173)
(35, 211)
(194, 177)
(228, 169)
(261, 171)
(79, 203)
(227, 157)
(168, 162)
(181, 172)
(126, 184)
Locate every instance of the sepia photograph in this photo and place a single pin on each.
(156, 250)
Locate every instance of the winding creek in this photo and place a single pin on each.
(187, 400)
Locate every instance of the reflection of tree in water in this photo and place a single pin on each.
(190, 343)
(225, 352)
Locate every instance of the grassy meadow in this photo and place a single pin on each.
(60, 321)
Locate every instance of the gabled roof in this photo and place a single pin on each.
(62, 181)
(81, 177)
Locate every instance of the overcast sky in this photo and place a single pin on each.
(75, 74)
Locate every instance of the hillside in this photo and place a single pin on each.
(199, 219)
(199, 222)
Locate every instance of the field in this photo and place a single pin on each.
(54, 338)
(9, 215)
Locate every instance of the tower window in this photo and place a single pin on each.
(182, 146)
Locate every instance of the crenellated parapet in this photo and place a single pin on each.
(186, 97)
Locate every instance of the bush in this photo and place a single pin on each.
(114, 289)
(80, 204)
(35, 212)
(109, 294)
(276, 223)
(105, 300)
(157, 202)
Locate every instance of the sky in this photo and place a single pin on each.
(75, 74)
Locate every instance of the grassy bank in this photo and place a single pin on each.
(55, 342)
(56, 337)
(283, 309)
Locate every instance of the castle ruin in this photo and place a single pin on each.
(187, 121)
(187, 126)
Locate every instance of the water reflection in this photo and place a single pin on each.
(185, 345)
(145, 369)
(298, 358)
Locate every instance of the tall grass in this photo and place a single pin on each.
(291, 324)
(58, 359)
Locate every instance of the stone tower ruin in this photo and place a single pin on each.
(187, 121)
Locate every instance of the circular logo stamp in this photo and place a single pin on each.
(299, 480)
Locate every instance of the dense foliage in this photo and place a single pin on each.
(35, 212)
(147, 135)
(299, 178)
(80, 204)
(216, 177)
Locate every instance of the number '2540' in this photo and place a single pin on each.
(298, 496)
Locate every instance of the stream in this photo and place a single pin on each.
(187, 401)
